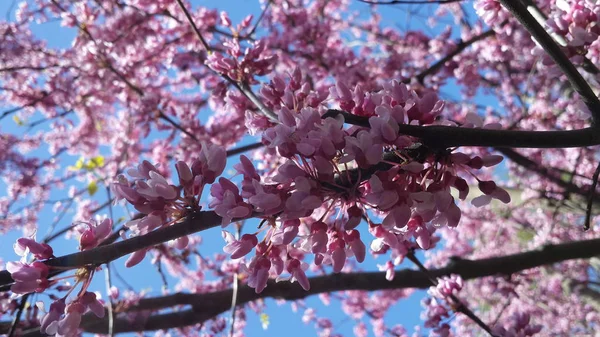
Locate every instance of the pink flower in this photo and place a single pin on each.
(318, 237)
(338, 254)
(259, 273)
(94, 234)
(356, 245)
(239, 248)
(123, 191)
(355, 214)
(49, 323)
(89, 300)
(262, 201)
(211, 162)
(397, 217)
(286, 233)
(388, 267)
(39, 250)
(156, 187)
(135, 258)
(447, 285)
(142, 171)
(70, 323)
(490, 190)
(227, 201)
(296, 269)
(28, 277)
(363, 149)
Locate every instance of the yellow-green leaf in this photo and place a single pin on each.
(525, 235)
(92, 188)
(18, 120)
(95, 162)
(264, 320)
(78, 165)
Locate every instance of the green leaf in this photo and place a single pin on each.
(78, 165)
(264, 320)
(92, 188)
(525, 235)
(566, 176)
(18, 120)
(95, 162)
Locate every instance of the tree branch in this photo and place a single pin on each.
(462, 45)
(209, 305)
(439, 136)
(193, 223)
(519, 10)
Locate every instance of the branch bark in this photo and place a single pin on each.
(209, 305)
(193, 223)
(519, 10)
(439, 136)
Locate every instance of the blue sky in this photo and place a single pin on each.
(144, 276)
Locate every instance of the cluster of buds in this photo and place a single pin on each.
(63, 319)
(30, 277)
(163, 203)
(441, 303)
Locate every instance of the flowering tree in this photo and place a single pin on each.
(342, 144)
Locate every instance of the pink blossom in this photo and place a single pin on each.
(227, 202)
(94, 234)
(356, 245)
(259, 273)
(70, 323)
(239, 248)
(49, 323)
(296, 269)
(39, 250)
(28, 277)
(388, 267)
(89, 300)
(135, 258)
(211, 162)
(447, 285)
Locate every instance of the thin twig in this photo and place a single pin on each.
(409, 2)
(462, 45)
(247, 91)
(196, 30)
(519, 10)
(17, 318)
(241, 86)
(235, 286)
(262, 15)
(109, 303)
(244, 148)
(588, 211)
(177, 126)
(107, 278)
(458, 306)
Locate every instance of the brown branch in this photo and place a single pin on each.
(462, 45)
(590, 201)
(209, 305)
(438, 136)
(193, 223)
(520, 12)
(409, 2)
(457, 304)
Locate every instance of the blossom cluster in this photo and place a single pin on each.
(326, 184)
(30, 277)
(63, 318)
(162, 203)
